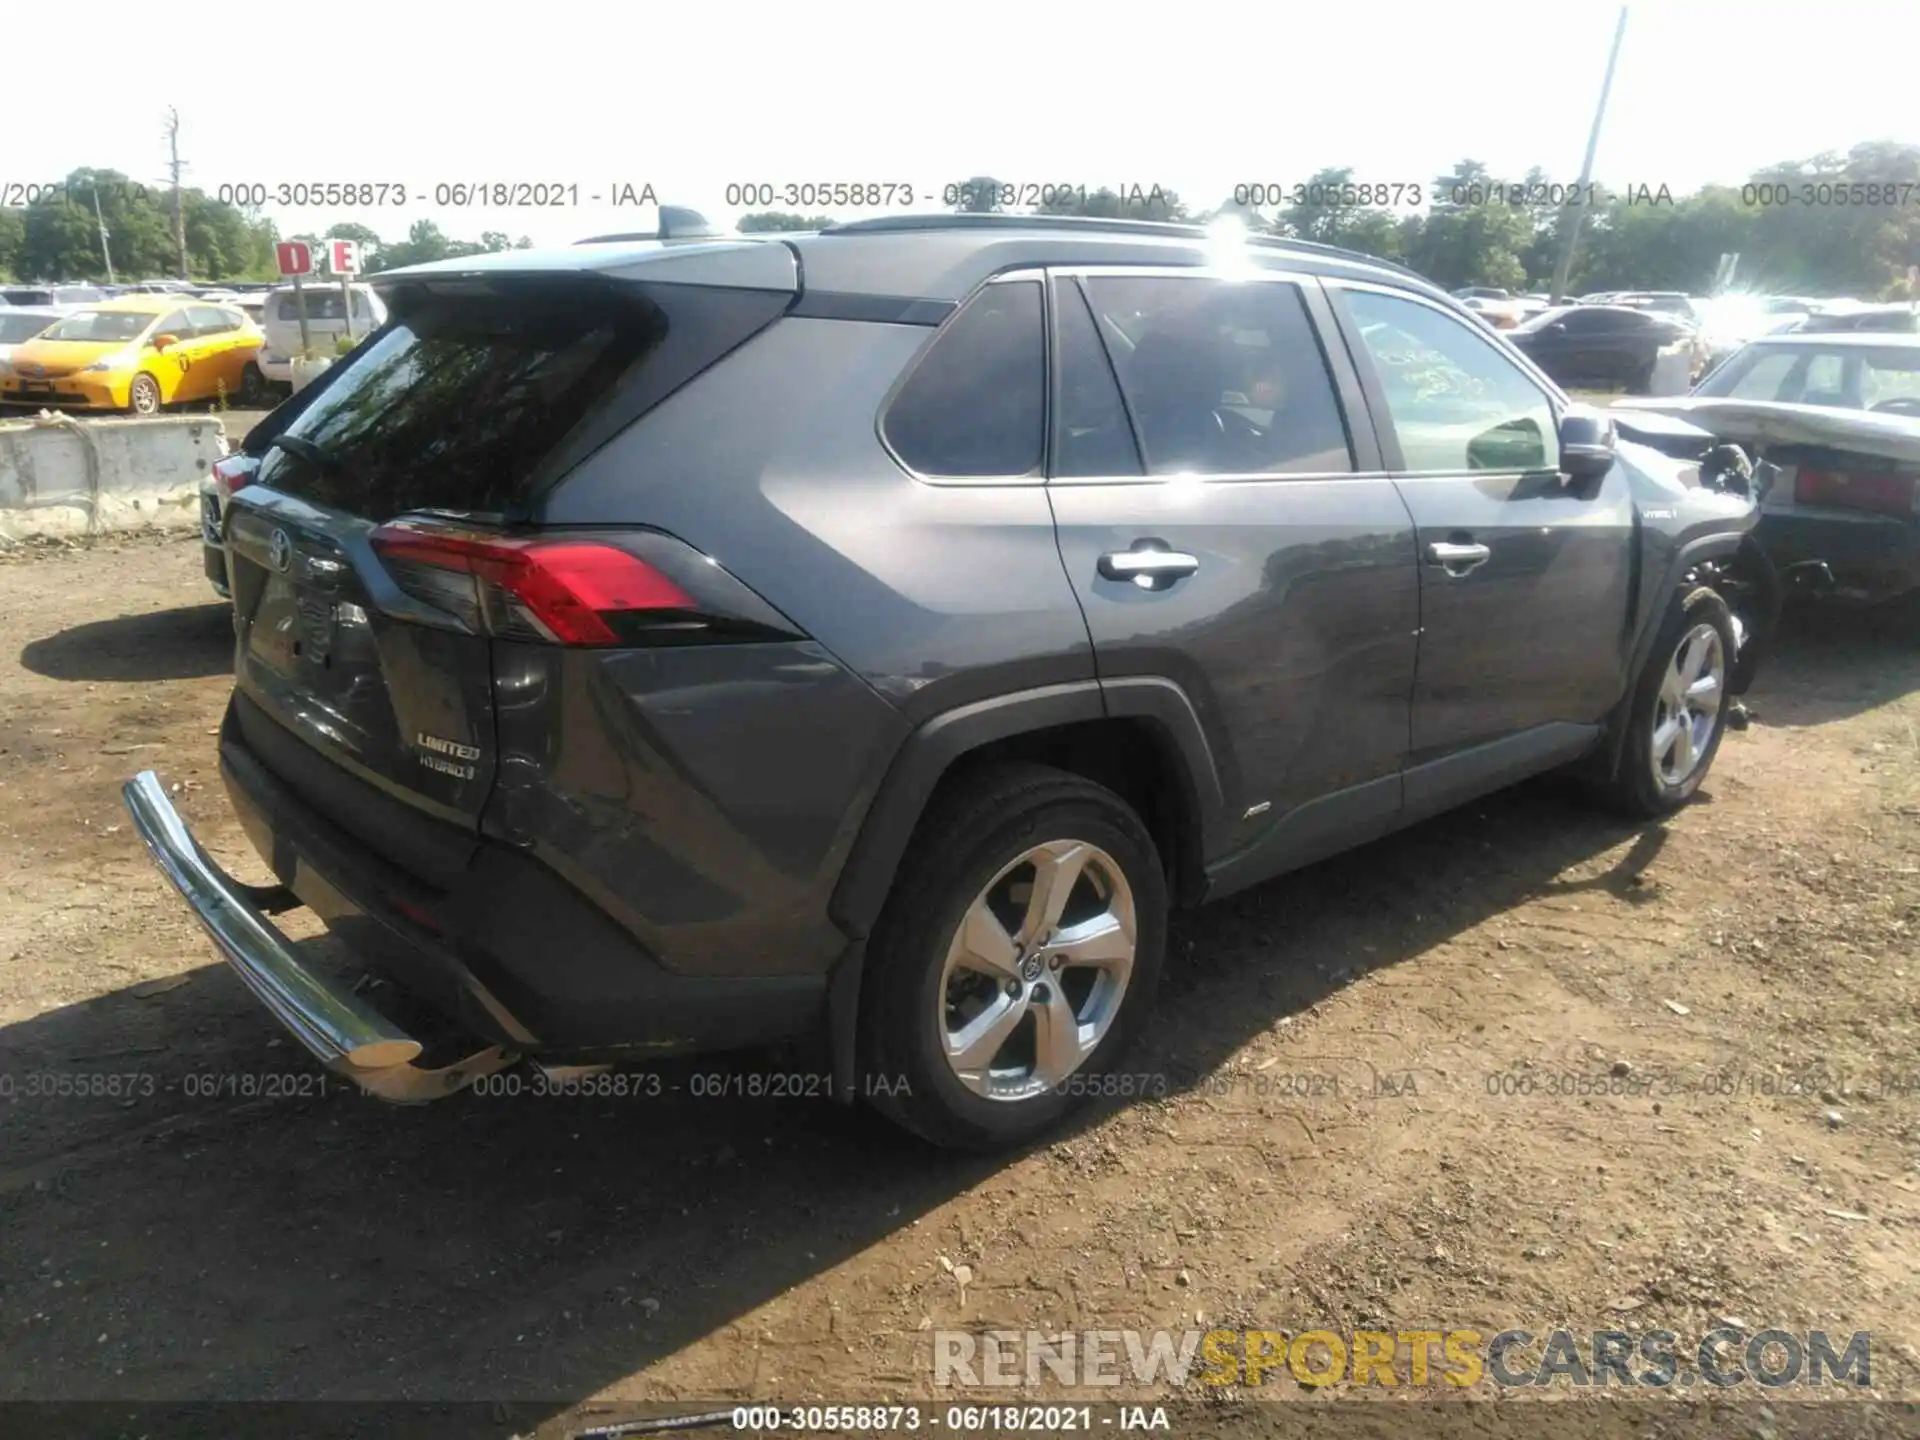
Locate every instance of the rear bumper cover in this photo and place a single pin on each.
(1874, 557)
(337, 1027)
(499, 950)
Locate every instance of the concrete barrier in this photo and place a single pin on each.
(65, 477)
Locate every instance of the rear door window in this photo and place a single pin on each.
(211, 320)
(975, 404)
(1222, 377)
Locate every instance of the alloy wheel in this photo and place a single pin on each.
(1687, 708)
(1037, 970)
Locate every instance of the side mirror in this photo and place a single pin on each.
(162, 342)
(1586, 443)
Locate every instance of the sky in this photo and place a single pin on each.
(689, 98)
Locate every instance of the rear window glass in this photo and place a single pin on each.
(29, 297)
(322, 304)
(459, 402)
(976, 404)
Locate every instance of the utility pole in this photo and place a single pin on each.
(1576, 210)
(179, 218)
(106, 252)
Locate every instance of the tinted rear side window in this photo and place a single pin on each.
(976, 403)
(465, 403)
(1222, 377)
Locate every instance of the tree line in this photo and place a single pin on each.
(1827, 226)
(1834, 224)
(57, 235)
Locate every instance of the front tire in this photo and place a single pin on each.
(143, 395)
(1679, 708)
(1015, 959)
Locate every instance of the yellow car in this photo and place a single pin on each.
(138, 354)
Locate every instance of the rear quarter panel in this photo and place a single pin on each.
(709, 798)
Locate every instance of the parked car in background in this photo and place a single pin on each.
(1729, 322)
(1664, 302)
(1601, 345)
(138, 354)
(21, 323)
(326, 322)
(1835, 421)
(216, 489)
(58, 297)
(1501, 314)
(1870, 319)
(874, 633)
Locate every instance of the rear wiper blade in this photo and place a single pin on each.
(305, 449)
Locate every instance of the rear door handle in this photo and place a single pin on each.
(1144, 567)
(1458, 559)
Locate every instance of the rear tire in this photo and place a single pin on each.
(1678, 710)
(253, 387)
(995, 1003)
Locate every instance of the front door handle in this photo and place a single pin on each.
(1458, 559)
(1146, 567)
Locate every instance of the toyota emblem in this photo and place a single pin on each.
(280, 550)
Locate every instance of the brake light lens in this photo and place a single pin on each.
(565, 592)
(1851, 490)
(233, 472)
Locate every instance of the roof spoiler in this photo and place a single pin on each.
(677, 222)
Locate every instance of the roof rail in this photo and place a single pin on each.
(676, 223)
(1102, 225)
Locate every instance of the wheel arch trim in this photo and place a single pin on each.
(928, 754)
(1706, 547)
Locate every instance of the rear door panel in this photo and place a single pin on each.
(1295, 635)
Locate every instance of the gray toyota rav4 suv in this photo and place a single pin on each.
(655, 647)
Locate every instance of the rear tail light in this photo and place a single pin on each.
(573, 591)
(1852, 490)
(233, 472)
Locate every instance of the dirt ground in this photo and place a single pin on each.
(162, 1243)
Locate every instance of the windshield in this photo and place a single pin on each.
(1845, 377)
(29, 297)
(102, 325)
(15, 329)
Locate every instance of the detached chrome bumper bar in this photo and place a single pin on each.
(337, 1027)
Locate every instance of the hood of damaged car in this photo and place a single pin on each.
(1761, 422)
